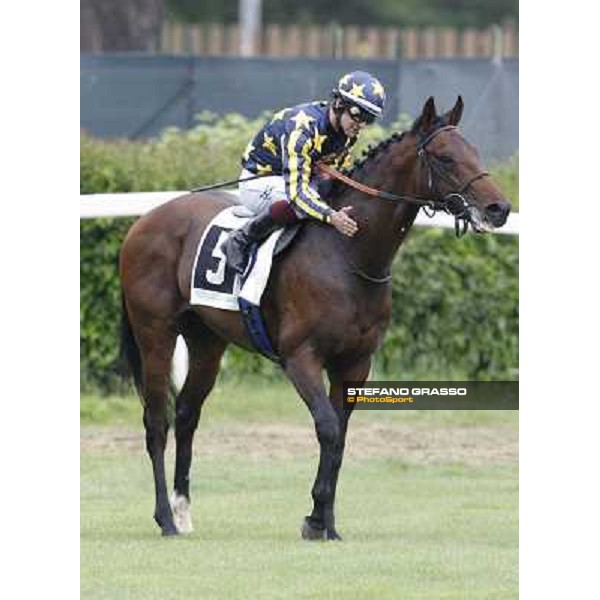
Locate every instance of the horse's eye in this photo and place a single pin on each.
(446, 159)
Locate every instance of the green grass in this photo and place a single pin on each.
(413, 529)
(256, 399)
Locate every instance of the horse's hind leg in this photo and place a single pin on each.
(157, 343)
(205, 351)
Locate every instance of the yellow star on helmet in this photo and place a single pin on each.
(262, 169)
(357, 90)
(302, 120)
(378, 89)
(318, 141)
(279, 115)
(345, 79)
(269, 144)
(248, 151)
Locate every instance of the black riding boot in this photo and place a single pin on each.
(237, 245)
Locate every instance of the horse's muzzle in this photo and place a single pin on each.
(497, 212)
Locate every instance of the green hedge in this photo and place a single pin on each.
(455, 301)
(455, 308)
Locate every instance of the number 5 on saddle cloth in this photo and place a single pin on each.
(216, 284)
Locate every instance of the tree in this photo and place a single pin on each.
(407, 13)
(120, 25)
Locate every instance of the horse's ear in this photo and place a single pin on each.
(453, 116)
(428, 115)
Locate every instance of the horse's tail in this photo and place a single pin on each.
(130, 352)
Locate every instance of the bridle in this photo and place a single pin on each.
(455, 203)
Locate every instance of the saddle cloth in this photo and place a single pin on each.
(214, 282)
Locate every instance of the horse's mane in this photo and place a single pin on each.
(372, 152)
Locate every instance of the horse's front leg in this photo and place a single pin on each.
(357, 373)
(305, 372)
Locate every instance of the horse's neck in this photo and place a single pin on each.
(383, 224)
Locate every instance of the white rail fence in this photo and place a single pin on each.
(133, 204)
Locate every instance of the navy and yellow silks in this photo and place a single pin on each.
(291, 144)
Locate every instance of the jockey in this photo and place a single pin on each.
(286, 151)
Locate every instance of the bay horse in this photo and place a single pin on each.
(327, 305)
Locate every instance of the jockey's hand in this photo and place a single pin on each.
(343, 222)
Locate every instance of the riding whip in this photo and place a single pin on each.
(214, 186)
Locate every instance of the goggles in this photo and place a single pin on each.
(358, 115)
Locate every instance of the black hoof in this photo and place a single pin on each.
(167, 532)
(167, 526)
(311, 532)
(332, 534)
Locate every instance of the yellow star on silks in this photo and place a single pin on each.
(357, 90)
(279, 115)
(302, 120)
(248, 150)
(318, 141)
(269, 145)
(263, 169)
(348, 162)
(378, 89)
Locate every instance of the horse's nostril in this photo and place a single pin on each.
(495, 209)
(498, 212)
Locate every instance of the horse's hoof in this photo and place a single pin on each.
(167, 527)
(332, 534)
(182, 514)
(314, 533)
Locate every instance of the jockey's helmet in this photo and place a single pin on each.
(360, 90)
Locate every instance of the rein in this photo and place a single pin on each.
(372, 191)
(385, 279)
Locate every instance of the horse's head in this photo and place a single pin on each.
(452, 170)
